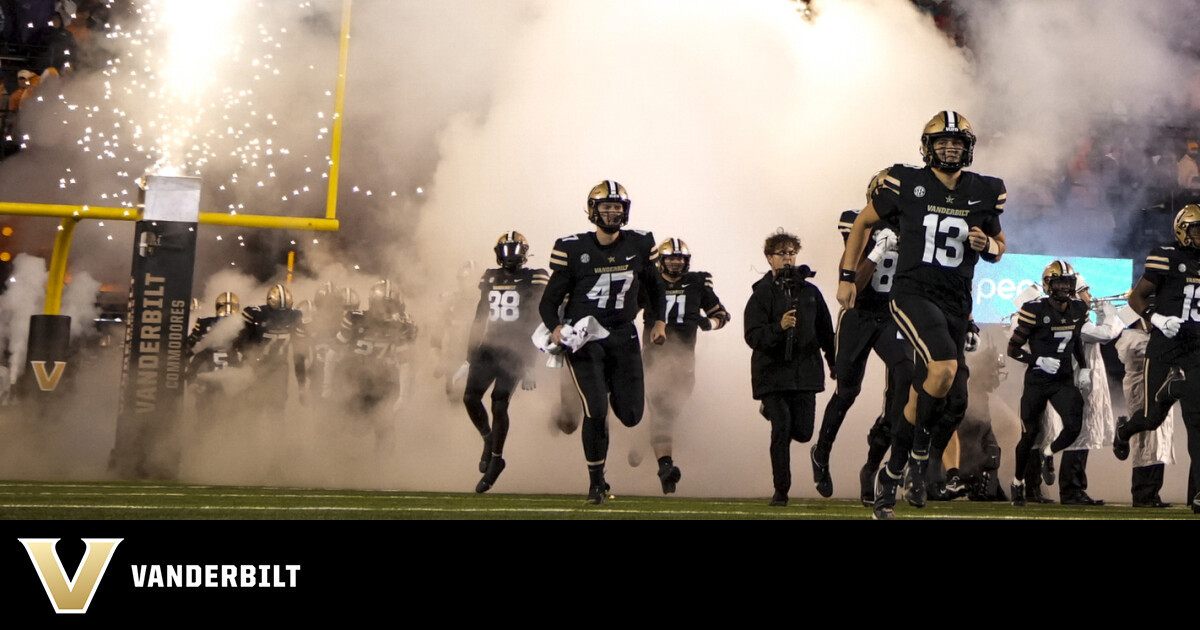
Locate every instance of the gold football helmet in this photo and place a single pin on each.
(349, 300)
(876, 182)
(326, 298)
(512, 250)
(279, 298)
(1185, 219)
(385, 301)
(1059, 269)
(607, 190)
(227, 304)
(946, 124)
(676, 250)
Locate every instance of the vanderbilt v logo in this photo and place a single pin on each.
(48, 382)
(72, 596)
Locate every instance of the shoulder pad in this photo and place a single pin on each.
(846, 221)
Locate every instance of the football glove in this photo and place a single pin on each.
(462, 372)
(1169, 325)
(885, 241)
(1049, 365)
(1083, 381)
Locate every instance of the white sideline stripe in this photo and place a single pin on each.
(395, 509)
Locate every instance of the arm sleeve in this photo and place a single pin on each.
(712, 304)
(825, 333)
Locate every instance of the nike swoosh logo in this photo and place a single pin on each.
(971, 203)
(629, 258)
(684, 286)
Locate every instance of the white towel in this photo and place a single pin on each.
(574, 336)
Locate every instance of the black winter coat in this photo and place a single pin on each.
(769, 370)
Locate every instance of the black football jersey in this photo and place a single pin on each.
(689, 300)
(508, 306)
(602, 281)
(874, 297)
(267, 334)
(1175, 274)
(209, 358)
(936, 259)
(1050, 333)
(383, 341)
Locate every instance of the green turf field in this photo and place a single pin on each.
(160, 501)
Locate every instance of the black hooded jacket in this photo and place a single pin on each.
(770, 370)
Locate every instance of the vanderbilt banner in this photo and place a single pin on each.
(160, 290)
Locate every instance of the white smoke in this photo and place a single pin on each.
(724, 120)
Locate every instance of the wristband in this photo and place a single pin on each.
(847, 275)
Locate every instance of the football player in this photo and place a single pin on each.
(498, 349)
(692, 305)
(371, 365)
(1098, 421)
(211, 350)
(1051, 326)
(866, 327)
(321, 325)
(265, 343)
(949, 219)
(602, 272)
(1168, 294)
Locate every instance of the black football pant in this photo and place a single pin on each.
(859, 332)
(608, 371)
(791, 415)
(1067, 401)
(1154, 413)
(501, 370)
(670, 379)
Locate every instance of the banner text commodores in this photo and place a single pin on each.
(215, 575)
(155, 329)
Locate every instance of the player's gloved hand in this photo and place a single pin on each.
(1169, 325)
(462, 372)
(529, 383)
(885, 241)
(1083, 380)
(972, 343)
(1048, 365)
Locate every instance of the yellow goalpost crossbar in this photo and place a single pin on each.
(71, 215)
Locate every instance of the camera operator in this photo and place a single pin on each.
(787, 324)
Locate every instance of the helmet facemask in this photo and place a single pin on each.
(948, 124)
(511, 255)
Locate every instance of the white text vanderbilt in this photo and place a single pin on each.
(215, 575)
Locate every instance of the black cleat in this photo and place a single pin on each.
(821, 474)
(597, 494)
(883, 507)
(866, 481)
(1121, 446)
(669, 474)
(495, 467)
(779, 499)
(914, 483)
(1172, 387)
(1033, 494)
(1081, 499)
(1018, 493)
(1048, 469)
(1155, 503)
